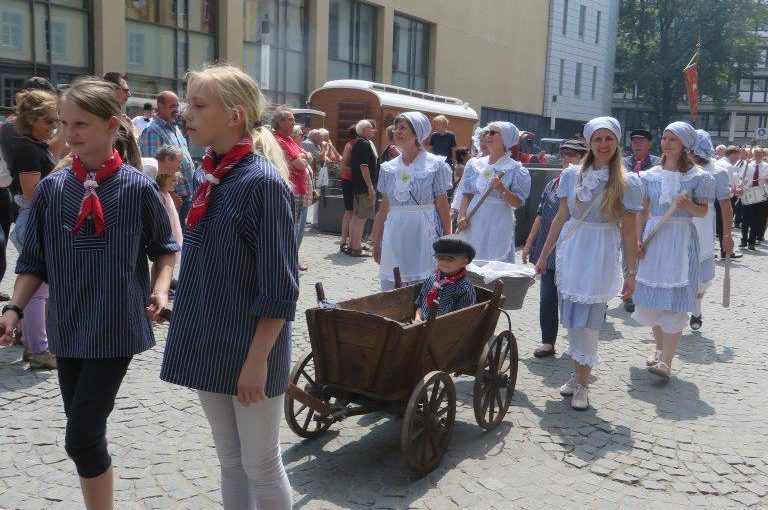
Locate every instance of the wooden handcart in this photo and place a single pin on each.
(368, 356)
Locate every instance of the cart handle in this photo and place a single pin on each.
(398, 278)
(320, 295)
(308, 400)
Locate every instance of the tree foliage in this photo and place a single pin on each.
(656, 39)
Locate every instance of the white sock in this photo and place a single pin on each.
(697, 307)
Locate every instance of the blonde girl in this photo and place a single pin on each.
(598, 207)
(91, 229)
(238, 287)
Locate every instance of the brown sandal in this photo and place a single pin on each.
(358, 253)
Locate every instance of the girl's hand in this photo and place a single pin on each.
(497, 184)
(640, 251)
(8, 323)
(157, 302)
(526, 253)
(252, 381)
(684, 201)
(629, 287)
(541, 265)
(462, 224)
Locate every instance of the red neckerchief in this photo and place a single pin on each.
(90, 207)
(639, 164)
(557, 184)
(439, 282)
(213, 175)
(756, 175)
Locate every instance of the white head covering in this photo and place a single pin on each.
(703, 147)
(601, 123)
(685, 132)
(420, 124)
(476, 139)
(361, 126)
(509, 133)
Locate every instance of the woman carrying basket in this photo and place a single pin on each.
(668, 273)
(414, 209)
(595, 198)
(495, 185)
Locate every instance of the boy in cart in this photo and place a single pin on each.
(448, 289)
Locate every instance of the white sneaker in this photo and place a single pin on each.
(566, 389)
(580, 400)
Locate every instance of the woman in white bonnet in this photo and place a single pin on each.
(595, 198)
(668, 272)
(414, 209)
(492, 228)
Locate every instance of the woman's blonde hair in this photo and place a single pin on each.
(612, 207)
(683, 163)
(33, 105)
(95, 96)
(235, 88)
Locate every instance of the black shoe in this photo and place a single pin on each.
(695, 323)
(736, 255)
(629, 305)
(751, 247)
(743, 244)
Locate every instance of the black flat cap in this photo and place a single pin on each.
(575, 145)
(642, 133)
(453, 245)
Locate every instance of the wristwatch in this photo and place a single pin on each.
(14, 308)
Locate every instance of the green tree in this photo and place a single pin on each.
(656, 39)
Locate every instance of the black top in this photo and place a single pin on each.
(24, 154)
(442, 145)
(362, 154)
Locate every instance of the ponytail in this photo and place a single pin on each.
(264, 143)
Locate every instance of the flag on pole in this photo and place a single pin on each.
(691, 76)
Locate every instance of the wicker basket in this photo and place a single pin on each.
(515, 288)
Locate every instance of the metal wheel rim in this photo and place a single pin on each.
(495, 380)
(300, 418)
(429, 421)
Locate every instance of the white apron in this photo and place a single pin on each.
(409, 232)
(705, 228)
(491, 230)
(665, 264)
(588, 262)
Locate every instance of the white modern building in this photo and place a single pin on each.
(581, 58)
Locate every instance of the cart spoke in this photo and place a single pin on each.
(310, 414)
(444, 410)
(415, 437)
(505, 358)
(498, 350)
(436, 404)
(300, 410)
(423, 455)
(486, 400)
(309, 378)
(499, 399)
(435, 389)
(433, 445)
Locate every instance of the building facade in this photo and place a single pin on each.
(581, 59)
(491, 54)
(734, 123)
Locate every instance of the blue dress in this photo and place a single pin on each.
(588, 262)
(706, 227)
(668, 274)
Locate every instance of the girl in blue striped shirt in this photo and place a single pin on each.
(91, 228)
(238, 287)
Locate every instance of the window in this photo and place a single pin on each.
(10, 85)
(275, 48)
(351, 40)
(577, 85)
(597, 28)
(582, 20)
(10, 30)
(594, 81)
(165, 38)
(762, 60)
(58, 40)
(565, 17)
(562, 77)
(410, 53)
(746, 124)
(752, 90)
(136, 49)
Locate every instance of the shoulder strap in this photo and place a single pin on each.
(580, 220)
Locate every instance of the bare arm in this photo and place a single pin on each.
(377, 233)
(28, 182)
(531, 238)
(25, 287)
(444, 211)
(631, 242)
(726, 213)
(563, 215)
(300, 163)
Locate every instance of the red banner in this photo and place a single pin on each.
(691, 76)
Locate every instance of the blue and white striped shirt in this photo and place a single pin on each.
(99, 285)
(452, 297)
(239, 264)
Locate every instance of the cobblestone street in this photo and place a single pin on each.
(699, 441)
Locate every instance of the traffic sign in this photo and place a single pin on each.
(761, 133)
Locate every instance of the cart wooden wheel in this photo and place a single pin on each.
(495, 379)
(304, 421)
(428, 423)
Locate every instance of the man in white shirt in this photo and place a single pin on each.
(728, 163)
(755, 215)
(142, 121)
